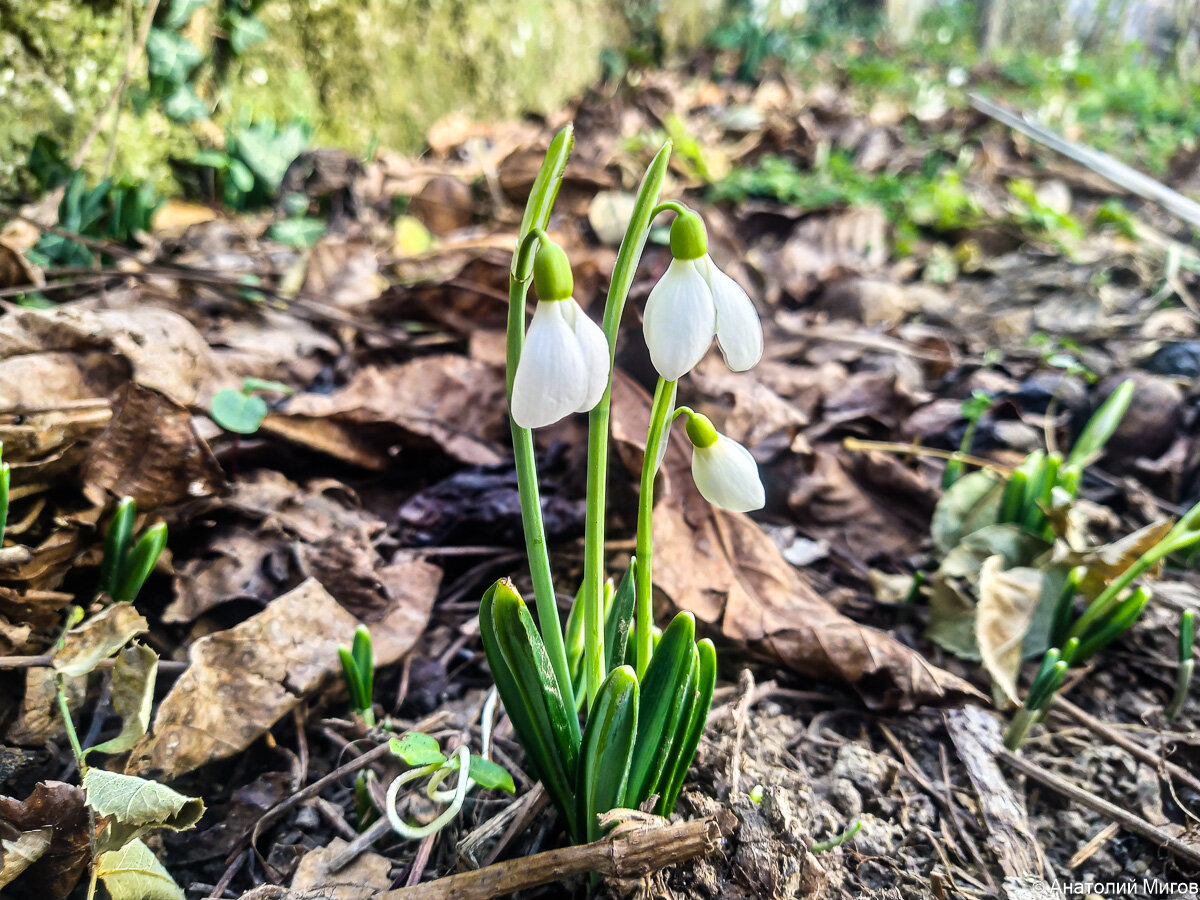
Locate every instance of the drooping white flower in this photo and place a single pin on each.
(564, 363)
(680, 320)
(724, 471)
(694, 302)
(739, 331)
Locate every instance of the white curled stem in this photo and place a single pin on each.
(486, 723)
(405, 830)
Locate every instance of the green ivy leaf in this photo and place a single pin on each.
(299, 233)
(171, 56)
(238, 412)
(245, 31)
(417, 749)
(182, 105)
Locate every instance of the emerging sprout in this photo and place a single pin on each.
(358, 668)
(1187, 663)
(127, 565)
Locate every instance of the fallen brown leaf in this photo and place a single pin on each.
(730, 574)
(150, 452)
(448, 400)
(58, 868)
(154, 347)
(361, 879)
(1007, 602)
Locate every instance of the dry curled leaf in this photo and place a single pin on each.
(98, 638)
(1008, 599)
(132, 694)
(243, 680)
(150, 452)
(61, 807)
(448, 400)
(153, 347)
(23, 851)
(730, 574)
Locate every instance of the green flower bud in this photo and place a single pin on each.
(689, 239)
(552, 278)
(700, 431)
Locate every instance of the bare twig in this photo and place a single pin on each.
(630, 852)
(131, 59)
(1132, 747)
(1086, 798)
(1123, 176)
(46, 661)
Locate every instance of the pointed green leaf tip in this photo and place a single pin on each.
(689, 239)
(552, 278)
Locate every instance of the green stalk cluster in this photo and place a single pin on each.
(358, 668)
(1187, 663)
(5, 480)
(1045, 480)
(127, 564)
(1106, 617)
(646, 701)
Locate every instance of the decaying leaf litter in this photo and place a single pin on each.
(380, 492)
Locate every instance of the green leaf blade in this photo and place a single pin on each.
(607, 750)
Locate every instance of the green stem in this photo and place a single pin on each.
(65, 709)
(1109, 597)
(664, 397)
(598, 421)
(537, 214)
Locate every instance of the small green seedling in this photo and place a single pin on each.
(848, 834)
(973, 409)
(1044, 480)
(242, 411)
(1187, 663)
(1111, 613)
(5, 480)
(126, 564)
(358, 667)
(424, 755)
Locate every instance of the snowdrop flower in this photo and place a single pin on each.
(564, 364)
(724, 471)
(694, 302)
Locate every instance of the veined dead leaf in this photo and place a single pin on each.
(1008, 599)
(134, 873)
(132, 694)
(150, 452)
(1108, 561)
(243, 680)
(362, 879)
(98, 638)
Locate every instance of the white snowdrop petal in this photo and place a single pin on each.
(727, 476)
(551, 379)
(680, 320)
(593, 346)
(739, 331)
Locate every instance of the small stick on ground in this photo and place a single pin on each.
(1086, 798)
(1133, 748)
(741, 712)
(630, 852)
(976, 737)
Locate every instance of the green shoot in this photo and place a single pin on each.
(5, 479)
(973, 409)
(1187, 663)
(848, 834)
(358, 668)
(126, 564)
